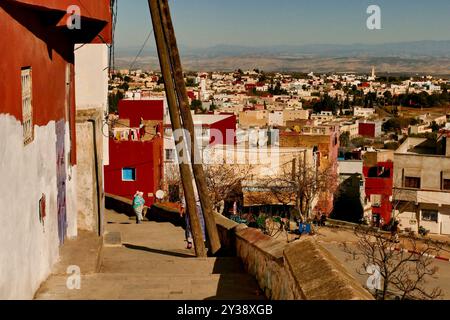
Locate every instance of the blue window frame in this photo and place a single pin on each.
(129, 174)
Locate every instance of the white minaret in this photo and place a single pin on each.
(373, 73)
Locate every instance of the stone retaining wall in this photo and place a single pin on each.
(302, 270)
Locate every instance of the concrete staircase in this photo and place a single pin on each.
(179, 279)
(144, 270)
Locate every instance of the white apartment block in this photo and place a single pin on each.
(351, 128)
(422, 184)
(363, 112)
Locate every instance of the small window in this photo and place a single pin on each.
(412, 182)
(129, 174)
(446, 184)
(375, 199)
(170, 154)
(430, 215)
(27, 107)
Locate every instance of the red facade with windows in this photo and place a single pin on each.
(379, 181)
(145, 157)
(34, 34)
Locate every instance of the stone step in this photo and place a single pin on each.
(147, 287)
(112, 239)
(121, 263)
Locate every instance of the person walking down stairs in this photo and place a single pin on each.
(138, 206)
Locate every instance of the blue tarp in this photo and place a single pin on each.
(304, 228)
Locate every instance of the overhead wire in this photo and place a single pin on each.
(140, 51)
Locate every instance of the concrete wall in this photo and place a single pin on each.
(429, 197)
(90, 199)
(91, 88)
(428, 168)
(302, 270)
(352, 129)
(290, 115)
(91, 83)
(252, 118)
(29, 247)
(350, 166)
(276, 118)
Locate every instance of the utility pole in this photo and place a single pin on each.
(188, 123)
(185, 170)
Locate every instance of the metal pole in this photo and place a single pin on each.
(185, 171)
(188, 123)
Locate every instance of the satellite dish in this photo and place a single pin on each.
(160, 194)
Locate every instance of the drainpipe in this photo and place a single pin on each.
(94, 127)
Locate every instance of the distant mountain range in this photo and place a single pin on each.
(406, 57)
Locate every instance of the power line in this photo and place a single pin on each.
(112, 50)
(140, 51)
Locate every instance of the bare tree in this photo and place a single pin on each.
(173, 181)
(224, 181)
(301, 188)
(397, 269)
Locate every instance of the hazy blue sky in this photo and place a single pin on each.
(203, 23)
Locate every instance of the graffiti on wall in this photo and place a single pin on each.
(61, 179)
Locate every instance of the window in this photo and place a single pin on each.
(27, 107)
(446, 184)
(375, 199)
(170, 154)
(430, 215)
(412, 182)
(129, 174)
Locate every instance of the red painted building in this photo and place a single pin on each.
(225, 125)
(369, 129)
(38, 167)
(379, 181)
(136, 163)
(250, 86)
(135, 109)
(215, 128)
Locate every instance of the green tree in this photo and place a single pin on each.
(113, 100)
(435, 127)
(190, 82)
(359, 142)
(344, 139)
(277, 90)
(196, 105)
(124, 86)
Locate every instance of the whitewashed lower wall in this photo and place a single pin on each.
(28, 248)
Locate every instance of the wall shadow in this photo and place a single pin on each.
(158, 251)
